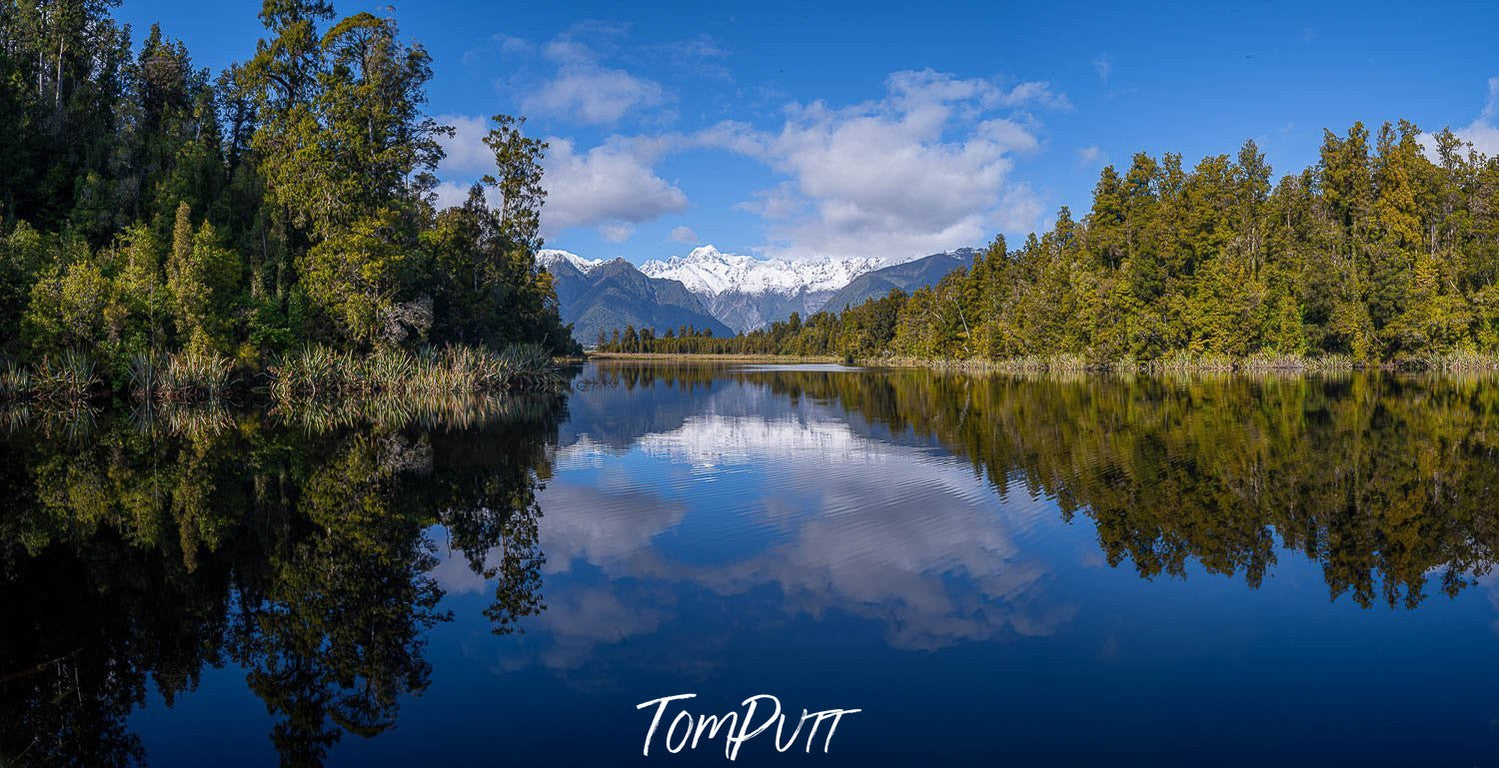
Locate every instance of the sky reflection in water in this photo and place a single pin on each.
(1024, 571)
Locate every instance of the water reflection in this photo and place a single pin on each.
(168, 543)
(694, 515)
(1383, 480)
(833, 520)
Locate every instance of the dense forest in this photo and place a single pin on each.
(150, 207)
(1386, 251)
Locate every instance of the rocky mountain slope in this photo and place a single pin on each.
(726, 292)
(748, 293)
(907, 276)
(596, 295)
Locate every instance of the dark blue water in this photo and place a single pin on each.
(1203, 571)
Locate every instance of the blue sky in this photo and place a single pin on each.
(869, 129)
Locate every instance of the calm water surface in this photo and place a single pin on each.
(1201, 570)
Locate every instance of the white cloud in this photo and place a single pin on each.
(779, 203)
(611, 186)
(513, 45)
(699, 46)
(1090, 156)
(1034, 92)
(465, 155)
(683, 235)
(1483, 133)
(465, 159)
(701, 55)
(926, 168)
(587, 91)
(593, 94)
(451, 193)
(616, 231)
(1104, 66)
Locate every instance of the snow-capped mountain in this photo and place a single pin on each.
(706, 270)
(747, 293)
(598, 296)
(551, 257)
(711, 289)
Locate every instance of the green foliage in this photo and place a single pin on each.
(1379, 256)
(193, 376)
(202, 277)
(149, 208)
(317, 371)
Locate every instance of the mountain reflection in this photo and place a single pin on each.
(311, 549)
(1383, 480)
(833, 520)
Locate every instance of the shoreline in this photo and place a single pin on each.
(710, 357)
(1464, 363)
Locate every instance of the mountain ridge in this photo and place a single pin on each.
(603, 296)
(906, 276)
(747, 293)
(729, 293)
(707, 270)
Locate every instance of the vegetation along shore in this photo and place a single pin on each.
(173, 233)
(1385, 253)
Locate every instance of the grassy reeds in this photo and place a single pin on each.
(1183, 362)
(196, 420)
(67, 377)
(386, 412)
(1454, 362)
(193, 377)
(71, 421)
(319, 372)
(1259, 362)
(178, 378)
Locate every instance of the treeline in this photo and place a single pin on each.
(1385, 251)
(149, 206)
(685, 339)
(1380, 478)
(866, 330)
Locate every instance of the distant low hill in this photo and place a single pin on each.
(907, 276)
(606, 295)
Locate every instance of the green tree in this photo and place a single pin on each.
(202, 276)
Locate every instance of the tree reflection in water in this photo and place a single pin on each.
(1385, 480)
(136, 549)
(141, 549)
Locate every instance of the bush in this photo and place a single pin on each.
(65, 377)
(183, 377)
(317, 371)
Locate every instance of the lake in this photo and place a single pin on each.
(1199, 569)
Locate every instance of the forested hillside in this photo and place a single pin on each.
(1387, 250)
(149, 206)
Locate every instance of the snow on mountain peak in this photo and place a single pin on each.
(707, 270)
(548, 257)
